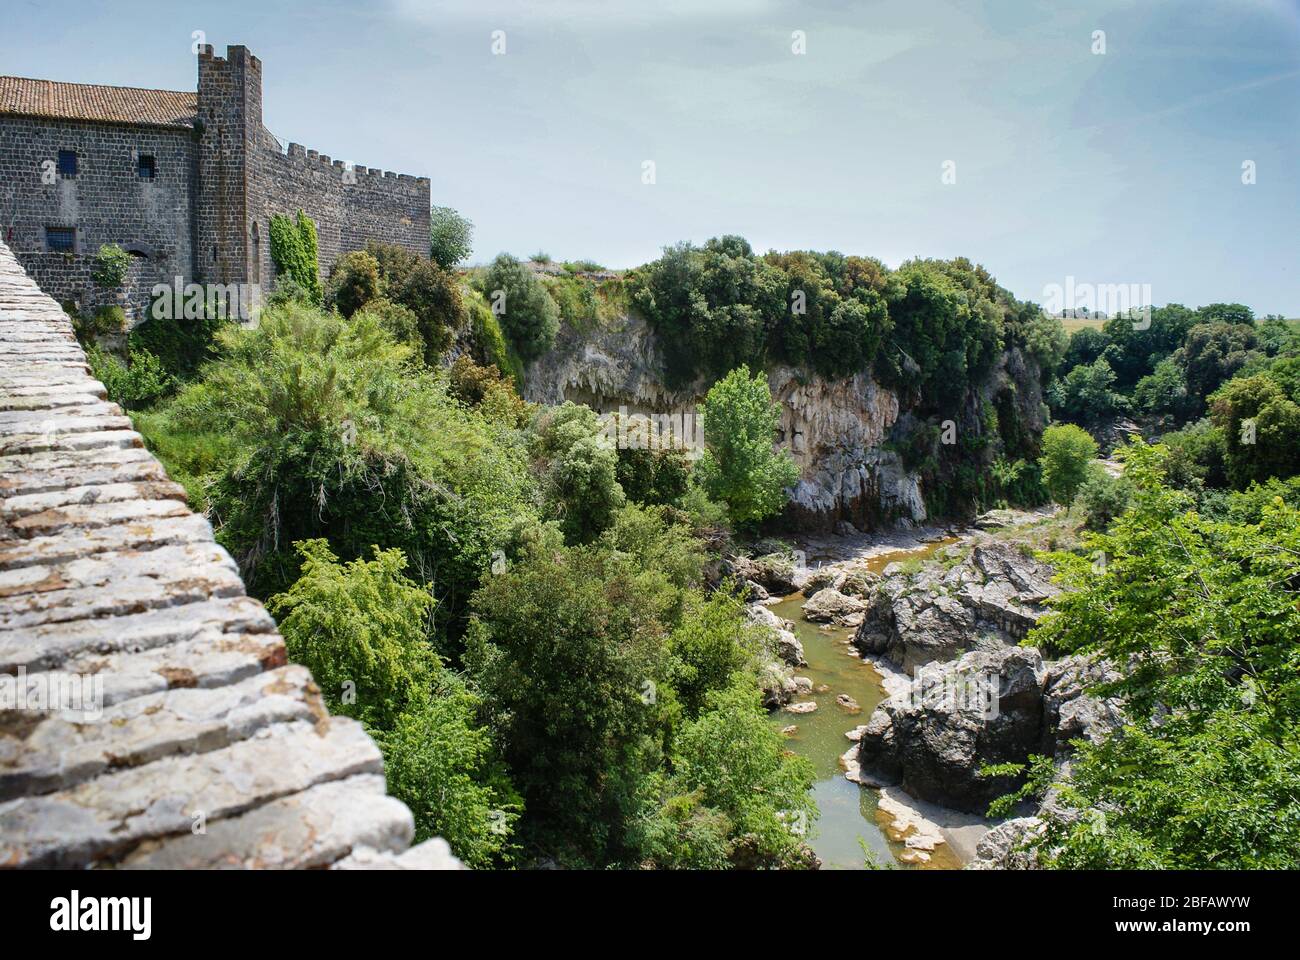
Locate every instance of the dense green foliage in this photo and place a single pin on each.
(133, 386)
(626, 706)
(295, 252)
(451, 237)
(528, 315)
(354, 282)
(363, 630)
(579, 470)
(740, 466)
(1068, 452)
(111, 266)
(1204, 617)
(331, 429)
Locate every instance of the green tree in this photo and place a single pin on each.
(1260, 425)
(567, 647)
(1212, 355)
(1203, 617)
(451, 237)
(362, 628)
(529, 317)
(1163, 393)
(354, 282)
(433, 295)
(713, 306)
(740, 467)
(579, 470)
(734, 760)
(323, 428)
(1084, 395)
(1067, 453)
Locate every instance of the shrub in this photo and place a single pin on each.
(111, 266)
(484, 388)
(181, 345)
(400, 322)
(354, 281)
(1067, 452)
(362, 628)
(528, 316)
(579, 470)
(102, 321)
(1103, 497)
(433, 295)
(134, 386)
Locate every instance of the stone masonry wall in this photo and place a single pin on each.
(107, 201)
(349, 207)
(195, 744)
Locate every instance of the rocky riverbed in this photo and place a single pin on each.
(925, 684)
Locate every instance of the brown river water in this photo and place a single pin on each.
(849, 816)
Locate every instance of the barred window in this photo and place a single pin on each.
(61, 239)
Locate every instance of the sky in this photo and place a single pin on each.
(1115, 167)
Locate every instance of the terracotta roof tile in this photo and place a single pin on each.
(89, 101)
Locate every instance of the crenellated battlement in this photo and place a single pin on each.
(296, 151)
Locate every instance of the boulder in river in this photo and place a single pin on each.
(988, 707)
(804, 706)
(831, 606)
(989, 600)
(788, 647)
(774, 572)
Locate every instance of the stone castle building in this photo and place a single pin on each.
(186, 182)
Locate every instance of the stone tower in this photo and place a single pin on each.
(229, 125)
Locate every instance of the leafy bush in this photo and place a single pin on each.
(133, 386)
(653, 476)
(579, 471)
(331, 433)
(1260, 424)
(354, 282)
(102, 321)
(182, 346)
(1103, 497)
(528, 316)
(487, 342)
(398, 321)
(484, 388)
(362, 628)
(433, 295)
(111, 266)
(1203, 615)
(1084, 396)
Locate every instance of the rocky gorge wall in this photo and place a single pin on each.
(838, 432)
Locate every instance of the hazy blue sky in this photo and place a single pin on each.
(1117, 168)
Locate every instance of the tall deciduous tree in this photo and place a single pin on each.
(740, 466)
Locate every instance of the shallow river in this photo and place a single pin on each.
(848, 811)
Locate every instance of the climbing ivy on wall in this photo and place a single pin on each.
(294, 250)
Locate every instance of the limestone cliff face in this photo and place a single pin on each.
(836, 431)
